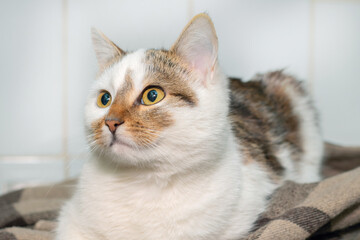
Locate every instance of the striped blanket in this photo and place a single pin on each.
(326, 210)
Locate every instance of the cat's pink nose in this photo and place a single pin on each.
(113, 124)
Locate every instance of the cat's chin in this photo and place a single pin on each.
(123, 148)
(118, 143)
(128, 156)
(120, 153)
(120, 148)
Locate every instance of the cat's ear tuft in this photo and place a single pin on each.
(106, 51)
(198, 44)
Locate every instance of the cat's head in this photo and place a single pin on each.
(156, 107)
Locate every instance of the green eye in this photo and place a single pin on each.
(152, 95)
(104, 99)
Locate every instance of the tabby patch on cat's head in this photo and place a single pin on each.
(147, 103)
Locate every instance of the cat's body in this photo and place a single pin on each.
(197, 164)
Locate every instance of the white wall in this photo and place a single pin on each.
(47, 65)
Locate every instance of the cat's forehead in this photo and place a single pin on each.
(147, 67)
(131, 65)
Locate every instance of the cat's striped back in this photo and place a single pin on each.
(276, 125)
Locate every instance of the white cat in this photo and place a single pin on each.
(180, 155)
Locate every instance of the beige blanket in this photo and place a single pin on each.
(329, 209)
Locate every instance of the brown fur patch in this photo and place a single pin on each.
(263, 119)
(166, 69)
(127, 86)
(146, 125)
(277, 83)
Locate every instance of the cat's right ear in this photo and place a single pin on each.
(106, 51)
(198, 45)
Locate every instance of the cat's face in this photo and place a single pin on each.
(150, 106)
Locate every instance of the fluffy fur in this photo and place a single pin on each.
(200, 163)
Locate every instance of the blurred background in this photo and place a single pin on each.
(47, 65)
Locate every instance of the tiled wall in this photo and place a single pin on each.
(47, 65)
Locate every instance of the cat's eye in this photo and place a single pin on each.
(152, 95)
(104, 99)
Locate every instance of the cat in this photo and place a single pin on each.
(180, 151)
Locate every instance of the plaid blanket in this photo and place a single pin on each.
(326, 210)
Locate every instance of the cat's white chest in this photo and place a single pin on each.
(114, 209)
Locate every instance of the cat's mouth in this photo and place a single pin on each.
(119, 141)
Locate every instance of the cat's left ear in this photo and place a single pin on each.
(106, 51)
(198, 45)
